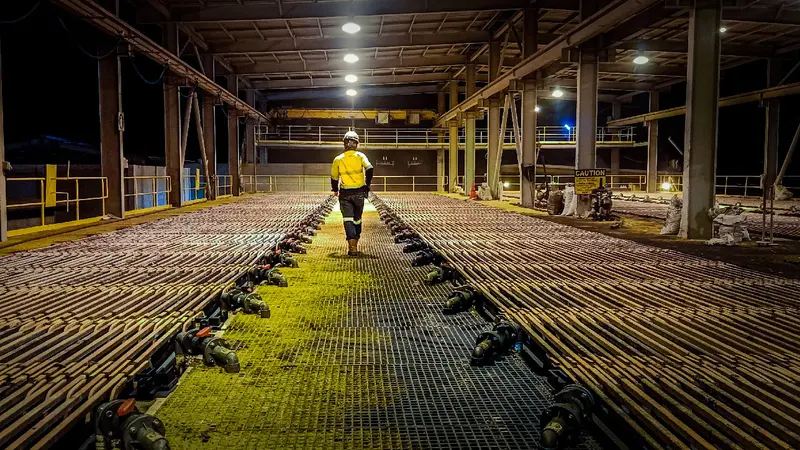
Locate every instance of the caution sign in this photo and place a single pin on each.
(587, 180)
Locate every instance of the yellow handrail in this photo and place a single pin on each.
(42, 204)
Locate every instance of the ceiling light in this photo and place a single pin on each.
(641, 59)
(351, 28)
(351, 78)
(557, 92)
(722, 29)
(537, 108)
(351, 92)
(351, 58)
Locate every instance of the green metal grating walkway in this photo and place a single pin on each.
(357, 354)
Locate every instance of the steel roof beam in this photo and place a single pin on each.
(616, 12)
(606, 85)
(321, 10)
(372, 91)
(765, 15)
(625, 68)
(339, 65)
(738, 99)
(114, 26)
(344, 43)
(339, 81)
(641, 22)
(751, 51)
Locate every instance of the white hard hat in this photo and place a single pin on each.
(351, 135)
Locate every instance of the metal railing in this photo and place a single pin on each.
(224, 185)
(74, 199)
(322, 183)
(146, 192)
(734, 185)
(193, 188)
(424, 137)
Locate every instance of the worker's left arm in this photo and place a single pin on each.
(368, 170)
(335, 176)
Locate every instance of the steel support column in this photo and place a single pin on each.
(493, 169)
(209, 125)
(586, 121)
(616, 113)
(250, 136)
(3, 191)
(652, 147)
(172, 124)
(210, 141)
(469, 134)
(234, 169)
(442, 108)
(110, 99)
(530, 21)
(453, 139)
(700, 139)
(772, 112)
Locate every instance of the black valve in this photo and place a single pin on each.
(268, 275)
(291, 245)
(415, 245)
(405, 236)
(460, 300)
(426, 257)
(120, 424)
(563, 421)
(298, 236)
(491, 344)
(214, 349)
(281, 259)
(440, 274)
(249, 302)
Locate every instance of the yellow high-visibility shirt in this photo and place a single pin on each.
(349, 168)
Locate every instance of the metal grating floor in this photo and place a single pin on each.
(357, 354)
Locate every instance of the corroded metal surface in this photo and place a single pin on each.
(691, 353)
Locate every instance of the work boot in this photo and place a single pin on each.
(352, 247)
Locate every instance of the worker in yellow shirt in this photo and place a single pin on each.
(351, 176)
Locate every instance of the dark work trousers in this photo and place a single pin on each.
(351, 202)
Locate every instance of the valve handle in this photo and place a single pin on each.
(204, 332)
(126, 407)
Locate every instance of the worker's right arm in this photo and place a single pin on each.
(335, 176)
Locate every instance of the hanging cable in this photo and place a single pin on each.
(86, 52)
(23, 17)
(184, 96)
(158, 80)
(224, 113)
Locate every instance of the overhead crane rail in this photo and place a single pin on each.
(685, 351)
(79, 320)
(369, 114)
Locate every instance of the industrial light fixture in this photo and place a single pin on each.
(566, 126)
(666, 186)
(722, 29)
(506, 184)
(557, 92)
(537, 108)
(351, 58)
(351, 92)
(351, 28)
(351, 78)
(641, 59)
